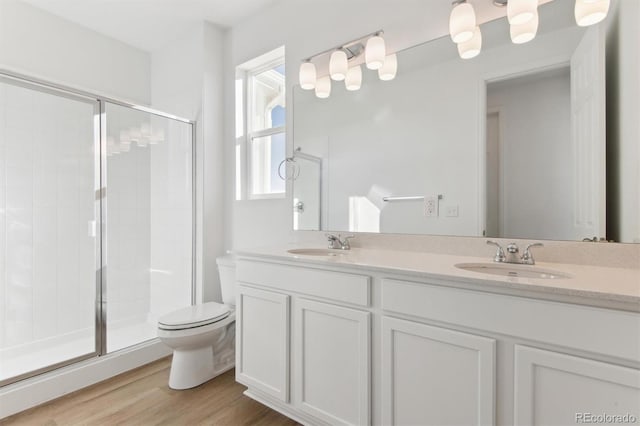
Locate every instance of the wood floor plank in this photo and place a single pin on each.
(143, 397)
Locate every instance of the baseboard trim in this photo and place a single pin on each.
(34, 391)
(283, 409)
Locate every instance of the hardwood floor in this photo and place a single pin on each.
(142, 397)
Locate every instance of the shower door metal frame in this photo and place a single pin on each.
(100, 167)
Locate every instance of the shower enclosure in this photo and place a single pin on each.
(96, 224)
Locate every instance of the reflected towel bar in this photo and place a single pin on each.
(408, 198)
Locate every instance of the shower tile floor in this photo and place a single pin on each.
(16, 361)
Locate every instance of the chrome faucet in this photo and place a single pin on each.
(512, 253)
(335, 242)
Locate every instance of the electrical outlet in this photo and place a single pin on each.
(452, 211)
(430, 207)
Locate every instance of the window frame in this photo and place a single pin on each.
(244, 143)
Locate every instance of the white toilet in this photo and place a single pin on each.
(202, 336)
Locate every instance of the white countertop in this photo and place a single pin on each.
(591, 285)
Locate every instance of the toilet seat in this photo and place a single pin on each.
(194, 316)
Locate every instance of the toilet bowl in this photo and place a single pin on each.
(202, 336)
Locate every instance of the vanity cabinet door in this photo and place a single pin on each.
(552, 388)
(332, 362)
(436, 376)
(262, 345)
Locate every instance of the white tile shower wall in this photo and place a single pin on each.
(170, 225)
(128, 229)
(47, 256)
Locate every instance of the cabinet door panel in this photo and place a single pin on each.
(555, 388)
(435, 376)
(332, 362)
(262, 355)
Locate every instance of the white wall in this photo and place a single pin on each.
(186, 79)
(40, 44)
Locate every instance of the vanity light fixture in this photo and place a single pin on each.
(338, 65)
(521, 11)
(589, 12)
(353, 80)
(323, 87)
(462, 21)
(344, 64)
(375, 52)
(389, 68)
(526, 32)
(471, 49)
(307, 75)
(523, 19)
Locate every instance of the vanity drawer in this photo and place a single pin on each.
(573, 326)
(338, 286)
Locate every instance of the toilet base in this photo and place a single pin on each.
(192, 367)
(192, 364)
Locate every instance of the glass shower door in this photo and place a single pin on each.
(149, 222)
(49, 228)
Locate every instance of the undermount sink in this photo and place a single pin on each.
(317, 252)
(513, 270)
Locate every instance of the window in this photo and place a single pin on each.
(260, 127)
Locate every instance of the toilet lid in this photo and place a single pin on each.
(194, 316)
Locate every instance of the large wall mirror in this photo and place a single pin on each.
(509, 144)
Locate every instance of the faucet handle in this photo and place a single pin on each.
(527, 257)
(500, 256)
(345, 242)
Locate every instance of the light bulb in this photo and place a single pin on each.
(375, 52)
(389, 68)
(526, 32)
(521, 11)
(462, 22)
(307, 76)
(338, 65)
(589, 12)
(323, 87)
(353, 81)
(471, 49)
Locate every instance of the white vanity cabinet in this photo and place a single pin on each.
(436, 376)
(331, 344)
(555, 388)
(322, 318)
(331, 354)
(262, 342)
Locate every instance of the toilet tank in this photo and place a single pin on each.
(227, 273)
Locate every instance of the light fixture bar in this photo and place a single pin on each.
(344, 45)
